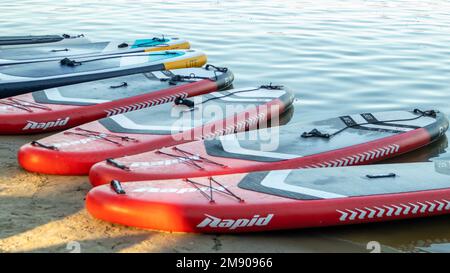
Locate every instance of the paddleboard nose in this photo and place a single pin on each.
(98, 176)
(34, 158)
(222, 76)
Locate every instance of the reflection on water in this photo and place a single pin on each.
(435, 150)
(416, 235)
(436, 248)
(339, 57)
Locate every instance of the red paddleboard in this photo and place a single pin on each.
(283, 199)
(74, 151)
(68, 106)
(342, 141)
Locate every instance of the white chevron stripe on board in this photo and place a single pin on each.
(393, 210)
(237, 126)
(398, 210)
(362, 213)
(407, 209)
(415, 208)
(380, 212)
(362, 157)
(372, 212)
(448, 204)
(352, 215)
(390, 210)
(423, 207)
(144, 104)
(343, 216)
(432, 206)
(440, 205)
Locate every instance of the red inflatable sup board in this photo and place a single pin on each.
(282, 199)
(76, 150)
(343, 141)
(68, 106)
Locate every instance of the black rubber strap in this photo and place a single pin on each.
(426, 113)
(272, 87)
(72, 63)
(374, 176)
(217, 68)
(210, 189)
(117, 187)
(116, 164)
(67, 36)
(174, 79)
(59, 50)
(183, 101)
(315, 133)
(163, 39)
(370, 118)
(69, 62)
(350, 123)
(50, 147)
(124, 84)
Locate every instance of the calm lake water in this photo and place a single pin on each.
(338, 57)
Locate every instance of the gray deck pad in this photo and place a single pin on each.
(342, 182)
(285, 142)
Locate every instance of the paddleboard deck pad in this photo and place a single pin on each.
(343, 141)
(274, 200)
(7, 42)
(90, 49)
(68, 106)
(74, 151)
(25, 78)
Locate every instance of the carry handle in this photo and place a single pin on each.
(374, 176)
(59, 50)
(116, 164)
(117, 187)
(42, 145)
